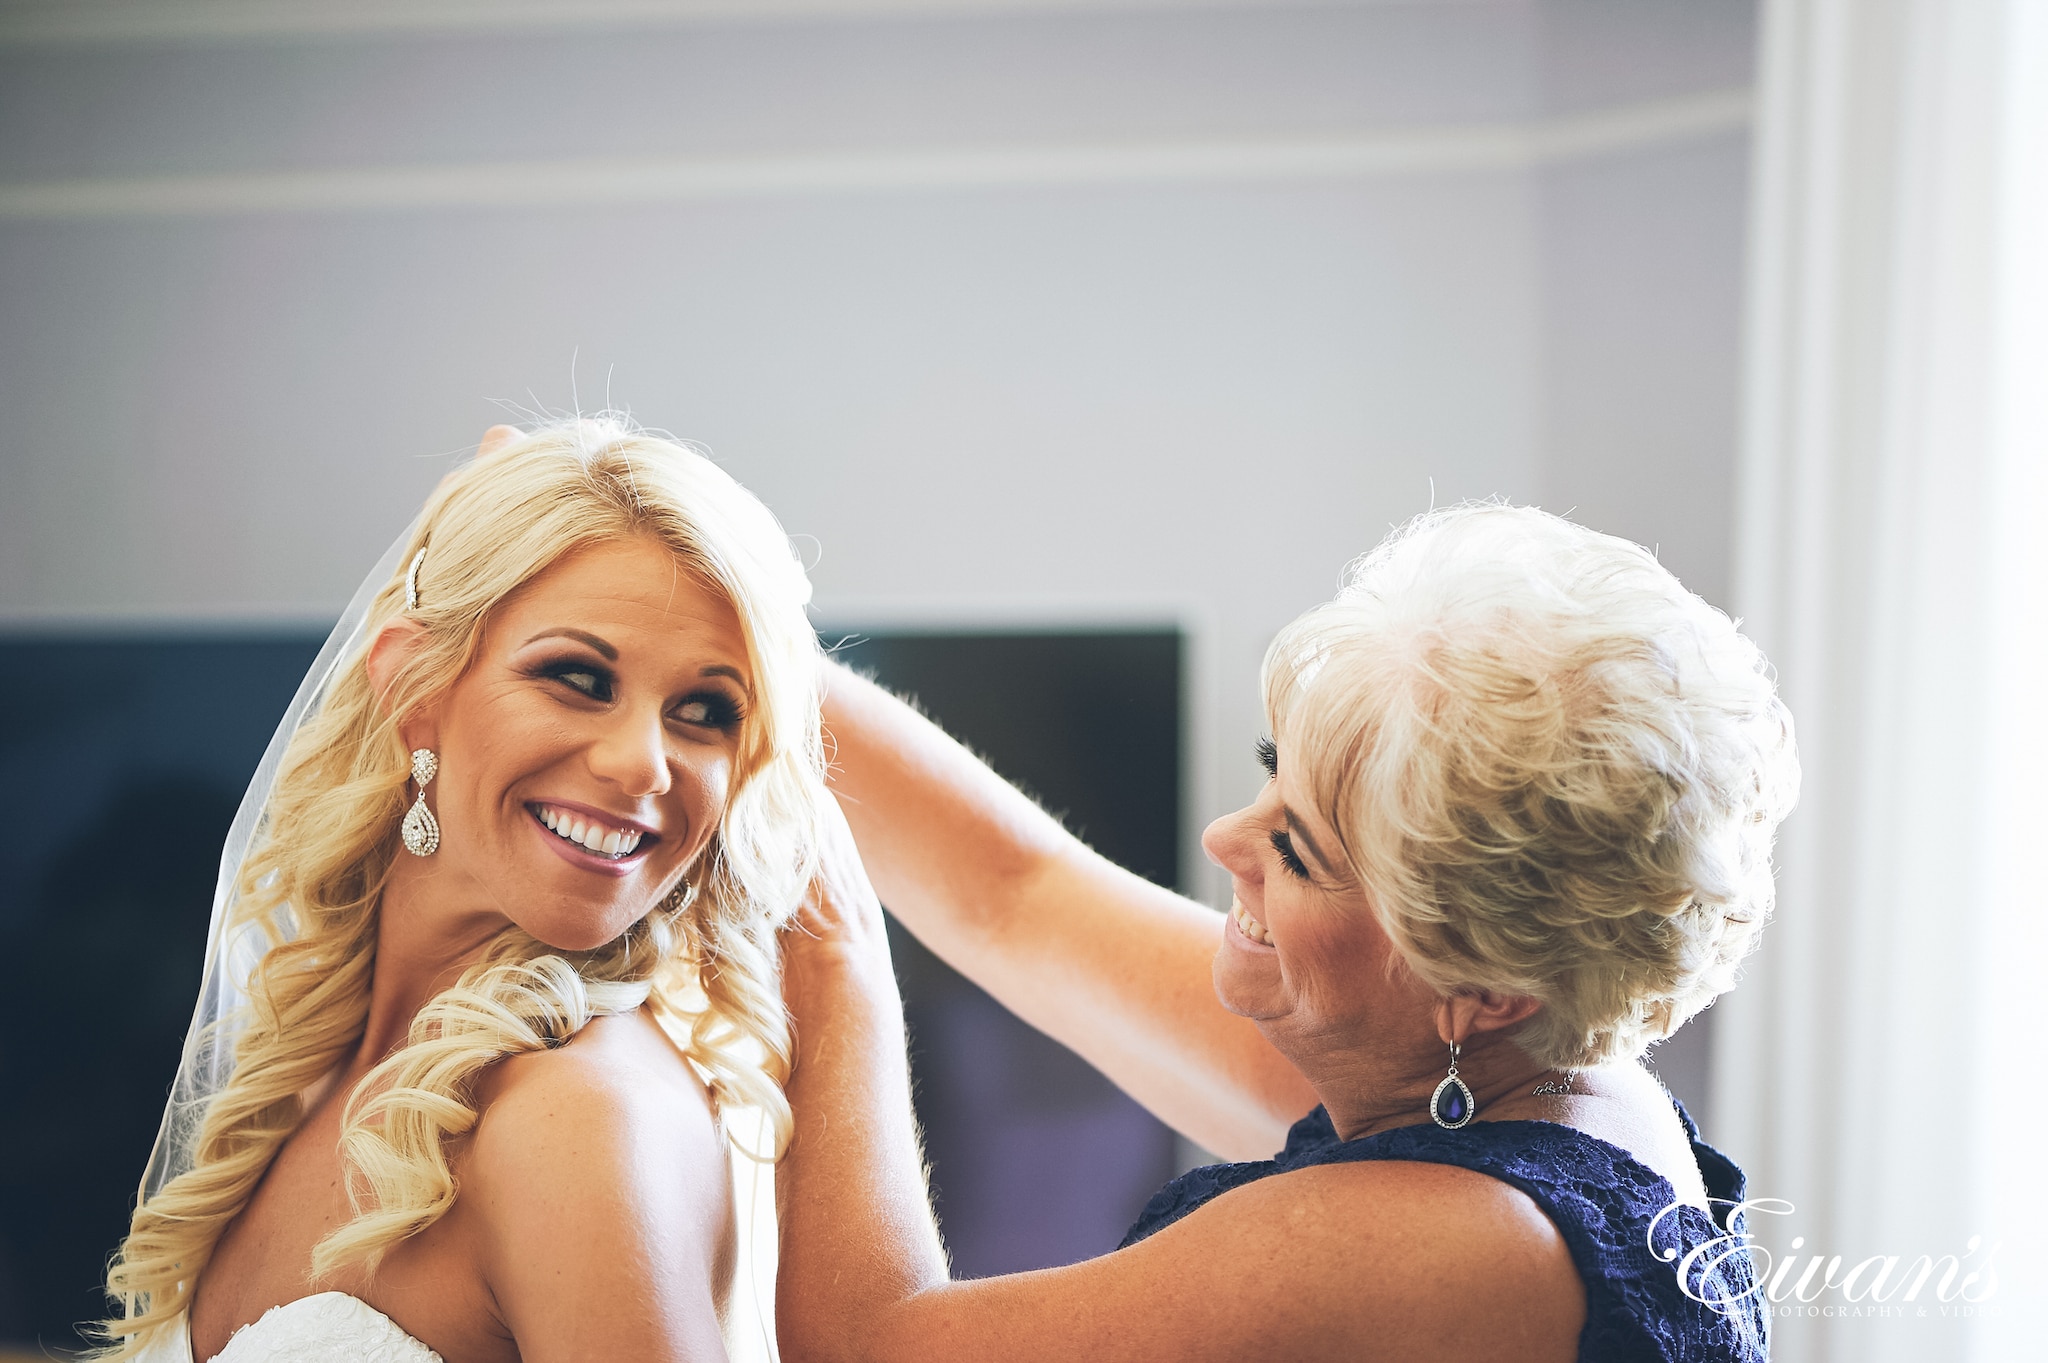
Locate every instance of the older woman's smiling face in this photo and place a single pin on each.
(1302, 953)
(588, 750)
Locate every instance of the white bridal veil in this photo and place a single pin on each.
(209, 1055)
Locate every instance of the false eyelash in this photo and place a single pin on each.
(561, 669)
(1289, 858)
(720, 710)
(1269, 757)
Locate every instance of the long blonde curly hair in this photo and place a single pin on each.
(705, 959)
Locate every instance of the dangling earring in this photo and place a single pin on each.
(420, 834)
(1452, 1104)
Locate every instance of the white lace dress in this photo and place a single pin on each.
(327, 1327)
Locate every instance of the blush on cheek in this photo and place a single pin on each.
(1350, 966)
(704, 807)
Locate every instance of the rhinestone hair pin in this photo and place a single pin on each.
(412, 580)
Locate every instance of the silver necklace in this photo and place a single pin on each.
(1552, 1087)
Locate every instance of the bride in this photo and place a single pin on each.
(494, 944)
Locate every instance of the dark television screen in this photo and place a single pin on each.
(1036, 1158)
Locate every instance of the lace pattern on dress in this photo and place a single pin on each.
(1603, 1202)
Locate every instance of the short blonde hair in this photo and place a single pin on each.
(1556, 772)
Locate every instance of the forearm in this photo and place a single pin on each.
(949, 845)
(1114, 967)
(857, 1231)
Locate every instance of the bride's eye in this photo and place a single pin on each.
(593, 682)
(708, 710)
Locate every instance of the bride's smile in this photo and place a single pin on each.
(587, 751)
(614, 842)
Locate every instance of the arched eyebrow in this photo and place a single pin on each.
(610, 654)
(721, 670)
(1300, 834)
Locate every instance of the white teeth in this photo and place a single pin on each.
(611, 842)
(1250, 926)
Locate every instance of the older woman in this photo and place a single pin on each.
(1523, 790)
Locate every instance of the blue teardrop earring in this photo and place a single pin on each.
(1452, 1105)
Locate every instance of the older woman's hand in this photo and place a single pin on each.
(840, 908)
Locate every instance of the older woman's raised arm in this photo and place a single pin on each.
(1099, 959)
(1387, 1260)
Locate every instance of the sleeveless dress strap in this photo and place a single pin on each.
(1622, 1222)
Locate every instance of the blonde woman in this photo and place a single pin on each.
(1522, 790)
(496, 950)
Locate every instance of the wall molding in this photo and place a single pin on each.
(601, 182)
(47, 22)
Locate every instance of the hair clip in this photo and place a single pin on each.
(412, 580)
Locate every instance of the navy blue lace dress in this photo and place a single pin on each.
(1603, 1202)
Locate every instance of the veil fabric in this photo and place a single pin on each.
(209, 1055)
(232, 954)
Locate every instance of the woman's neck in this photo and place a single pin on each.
(1367, 1094)
(423, 946)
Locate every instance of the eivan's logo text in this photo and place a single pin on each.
(1880, 1285)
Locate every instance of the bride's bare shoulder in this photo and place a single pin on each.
(598, 1182)
(619, 1085)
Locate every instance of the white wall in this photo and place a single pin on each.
(1124, 395)
(1642, 285)
(1641, 262)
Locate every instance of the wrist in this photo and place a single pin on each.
(817, 967)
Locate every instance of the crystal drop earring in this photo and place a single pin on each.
(420, 833)
(1452, 1105)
